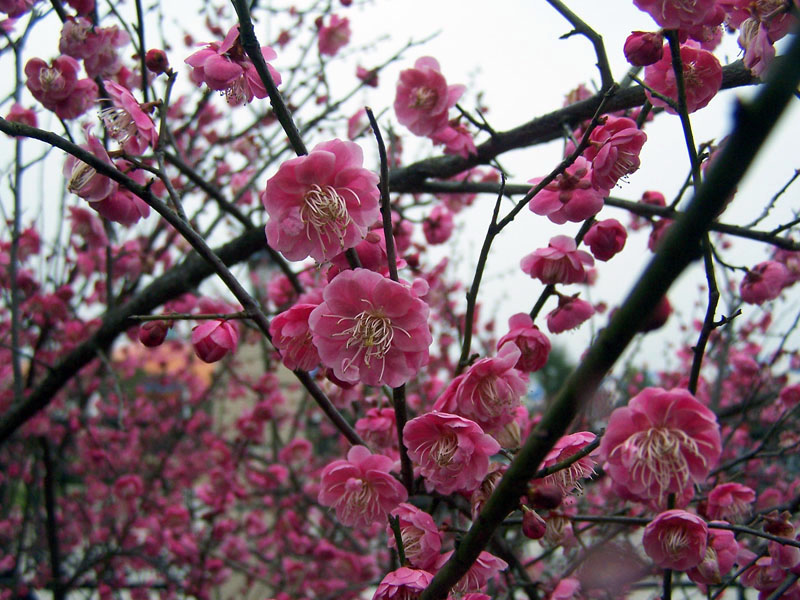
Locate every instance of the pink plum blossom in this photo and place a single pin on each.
(722, 551)
(569, 197)
(452, 452)
(321, 204)
(361, 489)
(126, 122)
(488, 392)
(560, 262)
(422, 541)
(83, 180)
(213, 339)
(763, 282)
(371, 329)
(20, 114)
(606, 238)
(730, 501)
(226, 67)
(485, 568)
(333, 36)
(569, 314)
(456, 139)
(439, 225)
(758, 47)
(57, 86)
(643, 48)
(614, 151)
(378, 427)
(570, 478)
(402, 584)
(702, 76)
(423, 97)
(661, 443)
(676, 539)
(533, 345)
(292, 337)
(103, 59)
(676, 14)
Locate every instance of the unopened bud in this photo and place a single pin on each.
(156, 61)
(153, 333)
(643, 48)
(533, 526)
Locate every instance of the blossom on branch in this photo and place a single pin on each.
(423, 97)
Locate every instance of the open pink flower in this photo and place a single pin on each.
(569, 314)
(57, 86)
(422, 541)
(571, 196)
(763, 282)
(606, 238)
(361, 489)
(227, 68)
(126, 122)
(661, 443)
(292, 337)
(485, 568)
(321, 204)
(702, 76)
(560, 262)
(730, 501)
(533, 345)
(371, 329)
(452, 452)
(333, 36)
(488, 392)
(570, 478)
(676, 539)
(83, 180)
(456, 139)
(614, 151)
(423, 97)
(402, 584)
(676, 14)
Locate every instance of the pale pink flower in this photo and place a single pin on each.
(702, 76)
(422, 541)
(361, 489)
(560, 262)
(485, 568)
(368, 76)
(452, 452)
(569, 197)
(378, 427)
(213, 339)
(488, 392)
(730, 501)
(661, 443)
(371, 329)
(533, 345)
(357, 124)
(126, 122)
(614, 151)
(402, 584)
(676, 14)
(227, 68)
(456, 139)
(423, 97)
(763, 282)
(569, 314)
(758, 47)
(606, 238)
(292, 337)
(321, 204)
(569, 479)
(721, 554)
(83, 180)
(333, 36)
(438, 227)
(676, 540)
(643, 48)
(567, 589)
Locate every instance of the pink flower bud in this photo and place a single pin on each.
(153, 333)
(533, 526)
(606, 238)
(212, 340)
(643, 48)
(156, 61)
